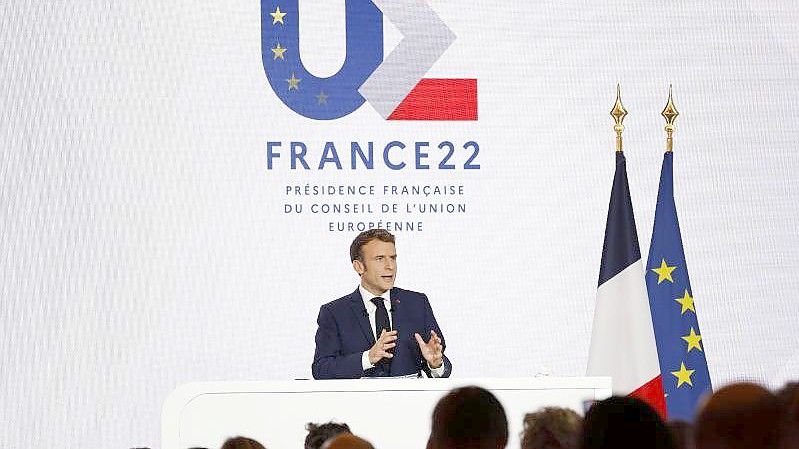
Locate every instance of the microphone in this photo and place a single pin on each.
(365, 313)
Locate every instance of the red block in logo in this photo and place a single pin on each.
(439, 99)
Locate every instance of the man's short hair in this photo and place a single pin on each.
(242, 443)
(347, 440)
(365, 237)
(551, 428)
(623, 421)
(319, 433)
(469, 418)
(682, 433)
(739, 416)
(788, 397)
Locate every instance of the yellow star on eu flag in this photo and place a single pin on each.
(322, 97)
(278, 51)
(683, 375)
(277, 16)
(687, 303)
(664, 271)
(693, 340)
(294, 82)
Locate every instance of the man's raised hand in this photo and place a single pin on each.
(380, 349)
(432, 351)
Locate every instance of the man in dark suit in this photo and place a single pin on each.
(378, 330)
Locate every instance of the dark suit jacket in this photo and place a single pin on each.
(345, 332)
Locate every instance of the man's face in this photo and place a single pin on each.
(379, 267)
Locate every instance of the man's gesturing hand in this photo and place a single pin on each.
(432, 351)
(381, 347)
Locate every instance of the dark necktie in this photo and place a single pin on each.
(381, 317)
(381, 323)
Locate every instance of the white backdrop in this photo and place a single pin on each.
(144, 244)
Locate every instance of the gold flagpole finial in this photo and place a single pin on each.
(670, 114)
(618, 113)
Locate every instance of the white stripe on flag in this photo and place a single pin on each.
(623, 340)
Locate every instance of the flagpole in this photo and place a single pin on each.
(623, 342)
(670, 114)
(618, 113)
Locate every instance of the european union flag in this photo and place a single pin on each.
(679, 341)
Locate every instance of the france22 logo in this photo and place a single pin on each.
(394, 87)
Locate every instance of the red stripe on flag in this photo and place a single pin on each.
(652, 393)
(439, 99)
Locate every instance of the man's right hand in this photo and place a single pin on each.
(381, 347)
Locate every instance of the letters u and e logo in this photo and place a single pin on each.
(395, 87)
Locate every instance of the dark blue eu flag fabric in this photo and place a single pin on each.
(674, 313)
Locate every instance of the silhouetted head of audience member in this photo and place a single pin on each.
(242, 443)
(468, 418)
(319, 433)
(738, 416)
(682, 433)
(347, 441)
(788, 398)
(621, 422)
(551, 428)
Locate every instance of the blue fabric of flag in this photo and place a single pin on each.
(679, 341)
(621, 248)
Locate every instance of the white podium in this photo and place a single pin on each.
(391, 413)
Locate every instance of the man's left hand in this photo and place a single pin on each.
(432, 351)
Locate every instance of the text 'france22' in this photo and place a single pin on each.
(395, 155)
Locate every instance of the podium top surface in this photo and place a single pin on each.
(203, 414)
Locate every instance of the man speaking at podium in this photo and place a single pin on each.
(378, 330)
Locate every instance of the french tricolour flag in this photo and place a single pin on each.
(623, 339)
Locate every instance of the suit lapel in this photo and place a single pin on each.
(359, 313)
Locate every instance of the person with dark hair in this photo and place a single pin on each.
(241, 443)
(319, 433)
(468, 418)
(788, 398)
(347, 441)
(739, 416)
(682, 433)
(378, 330)
(621, 421)
(551, 428)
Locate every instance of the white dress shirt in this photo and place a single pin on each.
(371, 309)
